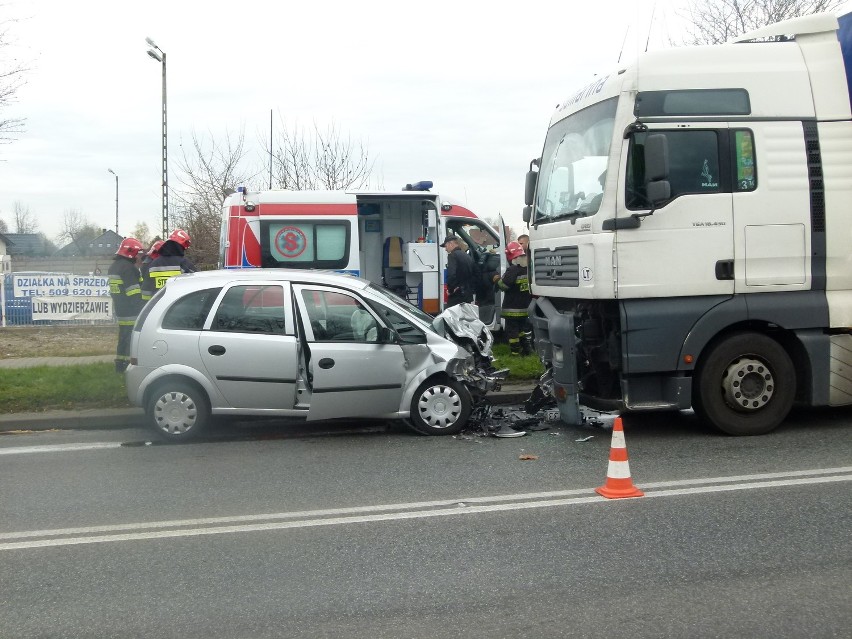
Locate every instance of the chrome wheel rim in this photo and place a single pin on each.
(439, 406)
(175, 413)
(748, 384)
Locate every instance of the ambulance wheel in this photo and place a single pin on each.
(744, 385)
(440, 407)
(178, 410)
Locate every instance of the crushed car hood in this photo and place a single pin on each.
(462, 325)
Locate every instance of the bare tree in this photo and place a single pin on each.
(77, 230)
(322, 160)
(208, 172)
(142, 233)
(3, 227)
(12, 73)
(25, 220)
(717, 21)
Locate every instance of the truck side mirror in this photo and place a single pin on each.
(527, 214)
(656, 151)
(529, 187)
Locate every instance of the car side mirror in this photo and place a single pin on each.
(386, 335)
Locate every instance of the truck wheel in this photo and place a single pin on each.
(440, 407)
(178, 411)
(745, 385)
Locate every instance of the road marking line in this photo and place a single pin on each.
(57, 448)
(458, 509)
(176, 523)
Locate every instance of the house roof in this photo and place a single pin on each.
(25, 244)
(104, 244)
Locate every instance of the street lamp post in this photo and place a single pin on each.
(160, 56)
(116, 199)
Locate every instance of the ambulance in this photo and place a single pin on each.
(389, 238)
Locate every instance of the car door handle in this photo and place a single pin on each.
(216, 350)
(326, 362)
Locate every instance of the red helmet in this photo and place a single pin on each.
(181, 237)
(513, 250)
(154, 251)
(129, 247)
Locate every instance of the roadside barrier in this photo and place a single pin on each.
(618, 481)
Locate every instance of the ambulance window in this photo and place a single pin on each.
(305, 244)
(744, 161)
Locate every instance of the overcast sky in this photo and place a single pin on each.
(459, 92)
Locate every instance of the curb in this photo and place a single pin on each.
(86, 419)
(116, 418)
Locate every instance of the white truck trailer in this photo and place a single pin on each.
(691, 231)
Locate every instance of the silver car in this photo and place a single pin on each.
(317, 345)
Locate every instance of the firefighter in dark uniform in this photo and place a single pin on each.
(171, 262)
(152, 254)
(126, 292)
(516, 299)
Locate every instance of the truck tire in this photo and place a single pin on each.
(744, 385)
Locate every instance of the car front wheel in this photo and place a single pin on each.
(440, 407)
(178, 411)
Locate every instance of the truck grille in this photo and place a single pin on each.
(556, 267)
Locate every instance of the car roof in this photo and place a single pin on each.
(221, 277)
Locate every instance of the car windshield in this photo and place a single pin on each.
(574, 162)
(396, 301)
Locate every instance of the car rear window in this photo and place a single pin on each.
(189, 312)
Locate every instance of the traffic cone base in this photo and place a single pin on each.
(618, 483)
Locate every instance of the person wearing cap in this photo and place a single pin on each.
(170, 262)
(461, 272)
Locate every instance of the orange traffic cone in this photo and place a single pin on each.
(618, 483)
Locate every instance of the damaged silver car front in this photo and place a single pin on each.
(474, 365)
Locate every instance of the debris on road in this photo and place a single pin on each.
(584, 439)
(528, 457)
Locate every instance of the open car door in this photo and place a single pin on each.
(352, 372)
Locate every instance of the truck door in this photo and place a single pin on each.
(685, 247)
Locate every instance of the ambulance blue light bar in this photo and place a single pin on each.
(425, 185)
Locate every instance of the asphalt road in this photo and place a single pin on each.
(367, 530)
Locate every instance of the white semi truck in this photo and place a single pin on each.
(691, 231)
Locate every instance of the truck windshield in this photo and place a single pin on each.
(573, 164)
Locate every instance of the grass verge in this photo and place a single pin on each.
(41, 388)
(521, 367)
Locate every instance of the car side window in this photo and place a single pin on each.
(251, 309)
(408, 333)
(338, 317)
(190, 311)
